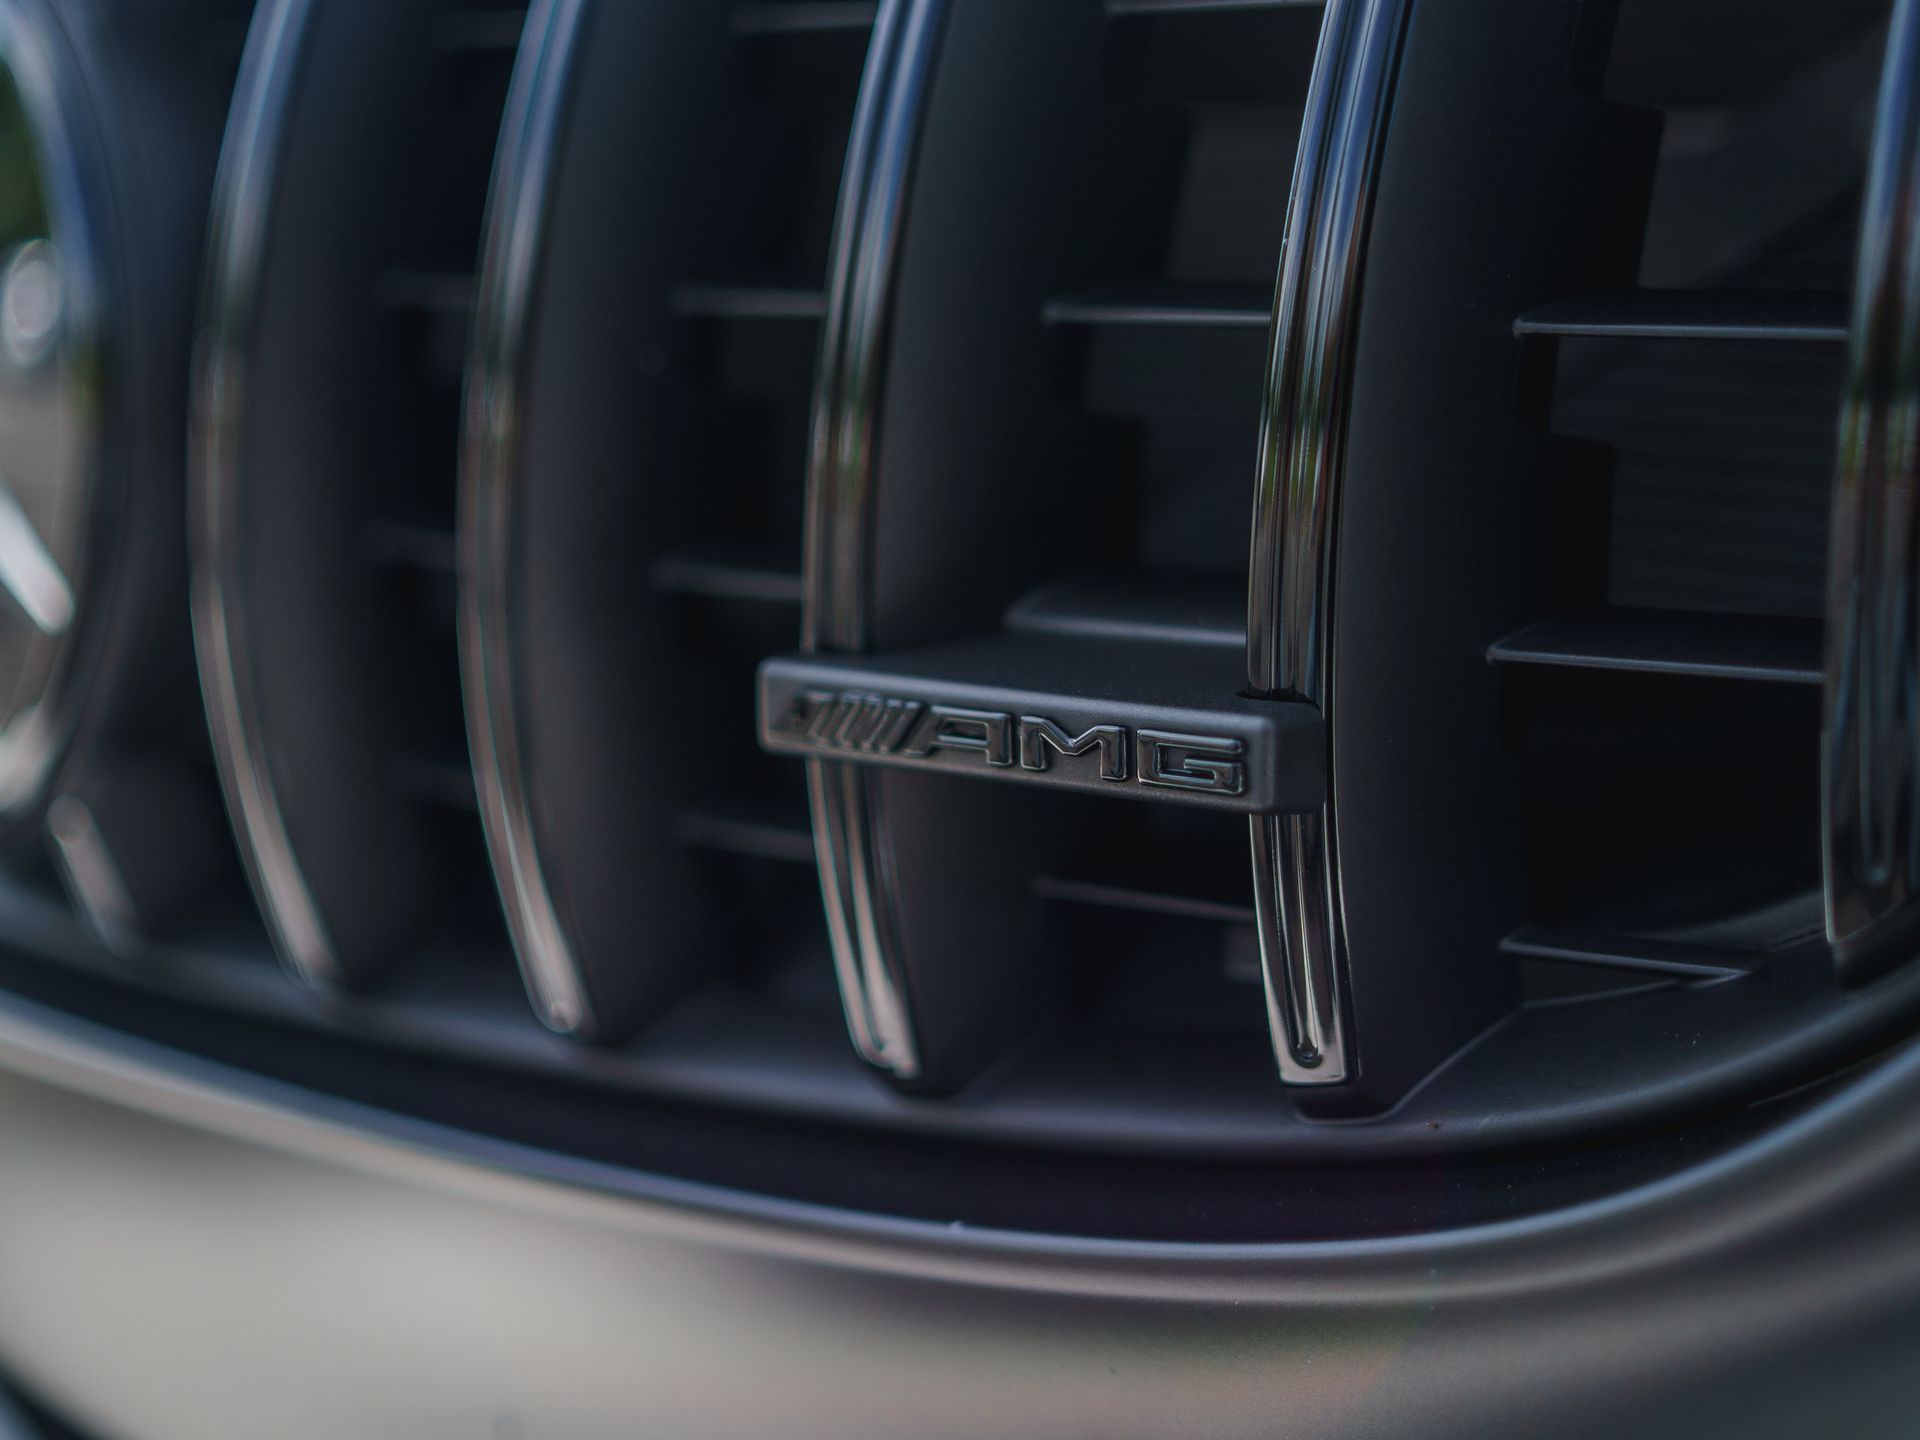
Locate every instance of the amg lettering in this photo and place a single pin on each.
(1037, 736)
(873, 724)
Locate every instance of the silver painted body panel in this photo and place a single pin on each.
(178, 1261)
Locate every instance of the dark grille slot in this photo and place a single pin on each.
(725, 638)
(450, 294)
(731, 579)
(1721, 461)
(1158, 346)
(425, 292)
(1162, 928)
(419, 544)
(1659, 800)
(750, 313)
(749, 385)
(440, 780)
(1669, 718)
(479, 28)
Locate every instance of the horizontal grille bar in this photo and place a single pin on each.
(1121, 8)
(800, 17)
(1796, 316)
(1178, 612)
(1149, 902)
(748, 302)
(1780, 650)
(1197, 309)
(727, 575)
(737, 830)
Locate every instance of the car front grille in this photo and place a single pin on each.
(1220, 741)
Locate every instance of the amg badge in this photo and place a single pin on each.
(1178, 735)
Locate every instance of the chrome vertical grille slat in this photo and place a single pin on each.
(1297, 882)
(849, 825)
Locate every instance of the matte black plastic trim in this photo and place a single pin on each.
(1234, 754)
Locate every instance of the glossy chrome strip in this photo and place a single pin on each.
(849, 825)
(525, 169)
(1871, 739)
(1302, 440)
(242, 203)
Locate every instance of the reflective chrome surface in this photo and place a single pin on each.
(849, 824)
(1296, 858)
(53, 515)
(524, 168)
(243, 194)
(1871, 743)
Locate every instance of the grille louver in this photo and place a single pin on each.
(341, 287)
(930, 354)
(645, 431)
